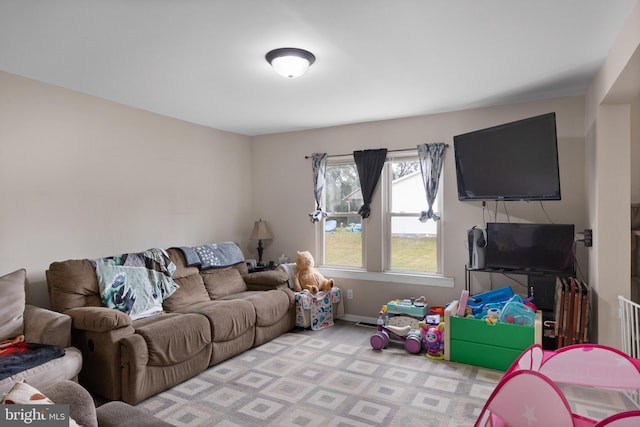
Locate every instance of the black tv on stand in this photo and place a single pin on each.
(527, 248)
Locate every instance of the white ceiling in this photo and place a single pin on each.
(203, 60)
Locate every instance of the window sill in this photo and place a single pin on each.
(432, 279)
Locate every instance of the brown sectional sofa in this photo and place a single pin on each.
(214, 315)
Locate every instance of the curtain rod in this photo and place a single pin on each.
(388, 151)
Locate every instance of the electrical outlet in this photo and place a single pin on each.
(349, 294)
(588, 237)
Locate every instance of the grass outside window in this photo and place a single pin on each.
(409, 253)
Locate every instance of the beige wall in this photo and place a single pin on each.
(82, 177)
(611, 129)
(285, 198)
(635, 150)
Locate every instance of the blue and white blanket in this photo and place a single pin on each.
(214, 255)
(136, 283)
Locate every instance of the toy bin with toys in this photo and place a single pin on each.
(480, 342)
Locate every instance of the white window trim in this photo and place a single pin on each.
(432, 279)
(387, 182)
(424, 279)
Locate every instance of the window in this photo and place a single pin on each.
(342, 238)
(414, 244)
(408, 245)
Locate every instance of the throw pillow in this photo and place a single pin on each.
(23, 394)
(13, 297)
(220, 283)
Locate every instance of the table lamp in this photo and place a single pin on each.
(260, 232)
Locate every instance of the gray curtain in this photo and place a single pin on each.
(431, 157)
(319, 165)
(369, 164)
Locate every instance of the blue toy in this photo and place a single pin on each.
(517, 312)
(478, 301)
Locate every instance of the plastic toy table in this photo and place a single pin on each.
(407, 308)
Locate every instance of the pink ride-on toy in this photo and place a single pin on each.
(412, 338)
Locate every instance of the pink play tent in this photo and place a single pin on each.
(527, 394)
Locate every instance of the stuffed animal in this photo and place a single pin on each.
(308, 277)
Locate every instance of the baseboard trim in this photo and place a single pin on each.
(358, 319)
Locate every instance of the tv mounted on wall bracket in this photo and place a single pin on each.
(512, 161)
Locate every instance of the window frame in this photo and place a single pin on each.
(320, 233)
(382, 214)
(388, 215)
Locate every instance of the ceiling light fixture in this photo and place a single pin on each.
(290, 61)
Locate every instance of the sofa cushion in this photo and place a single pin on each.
(61, 368)
(270, 306)
(228, 319)
(182, 269)
(13, 297)
(191, 290)
(72, 284)
(22, 356)
(173, 338)
(223, 282)
(269, 278)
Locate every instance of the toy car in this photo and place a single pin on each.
(411, 338)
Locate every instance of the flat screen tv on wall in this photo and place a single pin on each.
(512, 161)
(535, 248)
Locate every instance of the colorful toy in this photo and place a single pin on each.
(517, 312)
(436, 310)
(493, 315)
(433, 337)
(416, 307)
(410, 337)
(527, 394)
(478, 301)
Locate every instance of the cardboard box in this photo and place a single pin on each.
(475, 342)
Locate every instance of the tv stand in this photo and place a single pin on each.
(469, 271)
(523, 272)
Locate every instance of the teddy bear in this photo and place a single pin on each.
(307, 276)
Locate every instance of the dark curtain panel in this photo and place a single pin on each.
(369, 164)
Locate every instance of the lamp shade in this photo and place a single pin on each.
(260, 231)
(290, 61)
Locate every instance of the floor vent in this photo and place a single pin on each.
(366, 325)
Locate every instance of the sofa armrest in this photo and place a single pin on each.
(98, 319)
(81, 405)
(265, 280)
(46, 326)
(117, 414)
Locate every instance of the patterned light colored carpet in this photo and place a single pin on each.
(333, 377)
